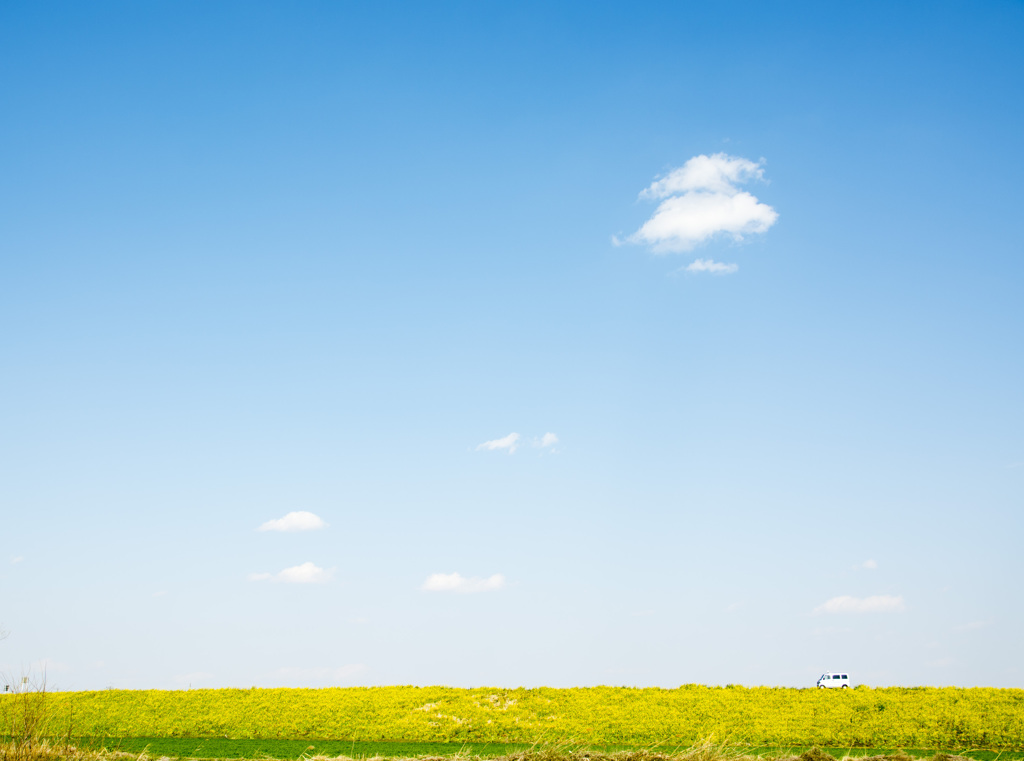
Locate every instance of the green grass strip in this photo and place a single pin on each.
(223, 748)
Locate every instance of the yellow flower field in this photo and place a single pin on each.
(923, 717)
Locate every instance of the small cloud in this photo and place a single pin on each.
(510, 442)
(307, 573)
(701, 200)
(17, 559)
(869, 565)
(547, 441)
(719, 173)
(973, 626)
(299, 520)
(874, 604)
(456, 582)
(160, 593)
(733, 607)
(710, 265)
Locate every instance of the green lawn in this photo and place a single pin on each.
(294, 749)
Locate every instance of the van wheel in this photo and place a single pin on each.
(846, 686)
(821, 686)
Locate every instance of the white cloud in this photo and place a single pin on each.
(456, 582)
(701, 200)
(300, 520)
(547, 440)
(869, 565)
(510, 442)
(719, 173)
(710, 265)
(973, 626)
(873, 604)
(307, 573)
(17, 559)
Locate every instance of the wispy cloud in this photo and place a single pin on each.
(17, 559)
(307, 573)
(456, 582)
(873, 604)
(548, 443)
(711, 266)
(510, 442)
(300, 520)
(973, 626)
(701, 200)
(869, 565)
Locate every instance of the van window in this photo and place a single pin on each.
(844, 676)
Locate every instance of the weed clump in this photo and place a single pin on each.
(815, 754)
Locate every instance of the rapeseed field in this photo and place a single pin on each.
(919, 717)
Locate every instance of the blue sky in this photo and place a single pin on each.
(732, 290)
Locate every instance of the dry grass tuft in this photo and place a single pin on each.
(44, 751)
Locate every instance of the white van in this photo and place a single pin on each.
(833, 679)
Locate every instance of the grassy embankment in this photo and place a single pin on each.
(418, 721)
